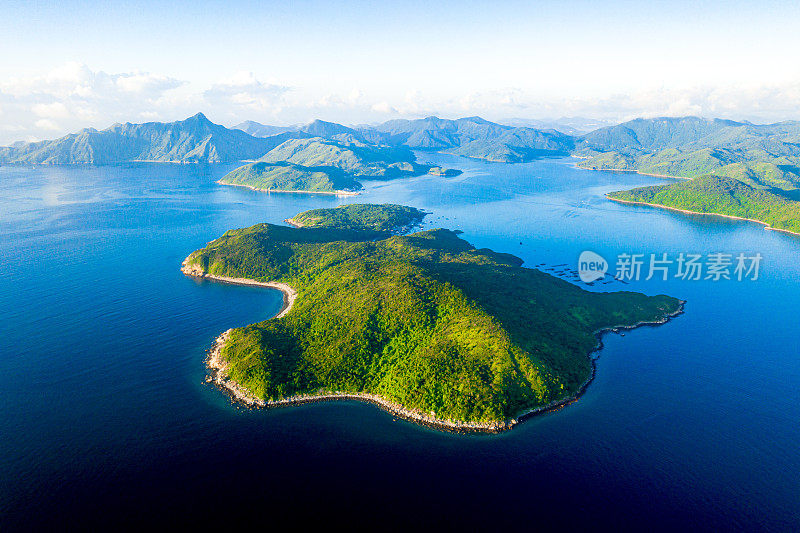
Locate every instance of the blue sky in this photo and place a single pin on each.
(67, 65)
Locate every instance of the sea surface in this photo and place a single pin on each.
(105, 418)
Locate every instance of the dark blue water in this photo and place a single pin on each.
(105, 419)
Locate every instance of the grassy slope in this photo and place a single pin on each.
(425, 320)
(759, 155)
(721, 195)
(288, 177)
(365, 217)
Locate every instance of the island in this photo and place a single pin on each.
(377, 219)
(424, 324)
(287, 177)
(318, 165)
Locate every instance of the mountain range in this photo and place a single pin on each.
(762, 156)
(194, 140)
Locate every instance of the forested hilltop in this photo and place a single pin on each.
(422, 320)
(721, 196)
(323, 165)
(378, 218)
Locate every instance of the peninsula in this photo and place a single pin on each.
(424, 324)
(721, 196)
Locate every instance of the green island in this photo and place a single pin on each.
(328, 166)
(382, 219)
(423, 325)
(280, 177)
(720, 196)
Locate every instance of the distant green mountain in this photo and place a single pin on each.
(317, 128)
(321, 165)
(758, 155)
(194, 140)
(357, 159)
(284, 176)
(477, 138)
(469, 137)
(723, 196)
(257, 129)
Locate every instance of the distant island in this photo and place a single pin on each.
(423, 325)
(327, 166)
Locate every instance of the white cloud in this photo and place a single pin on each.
(52, 110)
(244, 90)
(46, 124)
(73, 96)
(384, 107)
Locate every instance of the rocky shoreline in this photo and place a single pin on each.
(218, 375)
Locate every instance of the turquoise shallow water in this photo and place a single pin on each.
(105, 417)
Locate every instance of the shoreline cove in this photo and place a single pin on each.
(766, 225)
(218, 375)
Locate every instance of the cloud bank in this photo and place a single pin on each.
(73, 96)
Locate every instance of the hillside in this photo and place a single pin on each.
(194, 140)
(283, 176)
(425, 321)
(759, 155)
(477, 138)
(723, 196)
(357, 159)
(383, 218)
(470, 137)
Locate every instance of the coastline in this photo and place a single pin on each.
(686, 211)
(289, 294)
(293, 223)
(218, 375)
(282, 191)
(664, 176)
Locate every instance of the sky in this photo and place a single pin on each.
(68, 65)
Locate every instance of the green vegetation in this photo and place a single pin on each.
(724, 196)
(384, 218)
(766, 156)
(477, 138)
(425, 320)
(320, 165)
(289, 177)
(356, 159)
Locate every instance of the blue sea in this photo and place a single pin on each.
(105, 419)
